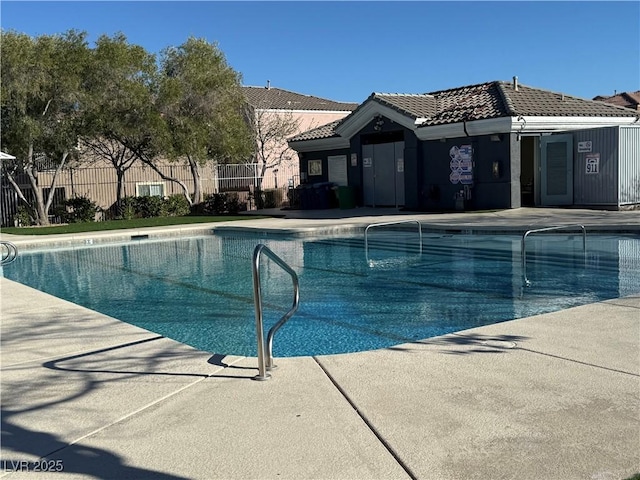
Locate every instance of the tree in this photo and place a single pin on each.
(272, 130)
(121, 117)
(202, 104)
(42, 100)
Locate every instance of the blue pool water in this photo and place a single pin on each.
(199, 290)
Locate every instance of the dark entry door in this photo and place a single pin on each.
(383, 174)
(556, 170)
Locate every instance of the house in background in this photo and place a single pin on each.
(487, 146)
(625, 99)
(280, 114)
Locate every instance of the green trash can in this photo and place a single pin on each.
(346, 197)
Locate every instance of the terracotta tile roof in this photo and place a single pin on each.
(415, 106)
(624, 99)
(501, 99)
(277, 98)
(482, 101)
(324, 131)
(538, 102)
(473, 102)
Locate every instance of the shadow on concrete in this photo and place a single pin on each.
(87, 461)
(468, 343)
(29, 447)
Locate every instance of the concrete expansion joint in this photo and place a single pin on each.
(566, 359)
(125, 417)
(367, 422)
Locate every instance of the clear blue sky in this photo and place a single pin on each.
(346, 50)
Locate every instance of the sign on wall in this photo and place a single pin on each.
(314, 167)
(592, 165)
(461, 164)
(585, 147)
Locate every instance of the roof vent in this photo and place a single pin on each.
(515, 83)
(268, 84)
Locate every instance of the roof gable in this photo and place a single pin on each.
(278, 99)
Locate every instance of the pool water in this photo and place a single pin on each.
(199, 290)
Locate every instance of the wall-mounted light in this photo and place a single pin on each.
(379, 122)
(496, 169)
(496, 138)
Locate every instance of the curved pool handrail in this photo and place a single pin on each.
(265, 351)
(9, 253)
(523, 248)
(385, 224)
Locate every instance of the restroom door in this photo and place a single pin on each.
(368, 176)
(556, 170)
(383, 174)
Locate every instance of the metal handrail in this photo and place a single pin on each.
(523, 248)
(384, 224)
(10, 255)
(265, 359)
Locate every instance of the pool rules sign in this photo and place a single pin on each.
(592, 163)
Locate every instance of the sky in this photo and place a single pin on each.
(346, 50)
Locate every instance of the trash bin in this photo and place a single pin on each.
(306, 197)
(321, 195)
(346, 197)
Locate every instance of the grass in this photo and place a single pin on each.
(121, 224)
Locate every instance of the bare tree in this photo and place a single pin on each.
(272, 130)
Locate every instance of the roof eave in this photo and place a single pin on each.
(331, 143)
(526, 123)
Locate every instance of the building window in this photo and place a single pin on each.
(150, 189)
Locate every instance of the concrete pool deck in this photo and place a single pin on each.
(555, 396)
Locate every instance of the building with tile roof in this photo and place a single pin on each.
(625, 99)
(490, 145)
(278, 109)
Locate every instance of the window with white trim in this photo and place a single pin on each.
(150, 189)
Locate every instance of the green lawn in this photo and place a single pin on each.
(121, 224)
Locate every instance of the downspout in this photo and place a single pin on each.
(464, 126)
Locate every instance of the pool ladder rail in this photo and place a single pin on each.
(385, 224)
(9, 253)
(265, 349)
(523, 248)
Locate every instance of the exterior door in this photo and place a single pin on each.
(556, 170)
(383, 174)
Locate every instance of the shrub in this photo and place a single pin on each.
(272, 198)
(175, 206)
(221, 203)
(23, 217)
(149, 206)
(129, 208)
(78, 210)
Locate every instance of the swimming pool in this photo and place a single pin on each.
(199, 290)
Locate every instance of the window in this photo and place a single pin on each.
(150, 189)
